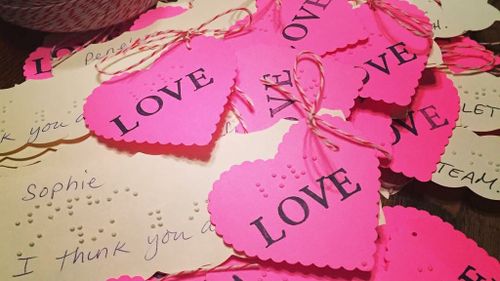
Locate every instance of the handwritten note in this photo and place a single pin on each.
(92, 213)
(470, 160)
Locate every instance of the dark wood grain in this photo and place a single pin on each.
(477, 217)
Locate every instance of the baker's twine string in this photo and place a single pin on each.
(418, 25)
(452, 51)
(237, 92)
(310, 108)
(154, 42)
(207, 269)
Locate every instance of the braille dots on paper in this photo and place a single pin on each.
(156, 219)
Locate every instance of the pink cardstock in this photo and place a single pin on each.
(304, 25)
(309, 205)
(461, 54)
(127, 278)
(38, 65)
(178, 100)
(393, 58)
(319, 26)
(420, 246)
(374, 124)
(153, 15)
(265, 273)
(421, 138)
(342, 84)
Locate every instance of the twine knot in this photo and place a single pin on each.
(418, 25)
(162, 41)
(309, 108)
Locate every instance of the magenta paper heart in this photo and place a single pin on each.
(278, 273)
(38, 65)
(179, 100)
(309, 205)
(393, 57)
(342, 84)
(419, 246)
(319, 26)
(421, 138)
(127, 278)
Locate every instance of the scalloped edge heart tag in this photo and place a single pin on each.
(420, 246)
(308, 196)
(421, 137)
(179, 100)
(393, 58)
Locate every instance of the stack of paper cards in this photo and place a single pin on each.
(245, 140)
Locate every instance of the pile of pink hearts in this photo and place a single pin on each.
(353, 84)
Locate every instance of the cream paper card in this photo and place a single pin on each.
(455, 17)
(472, 161)
(43, 111)
(479, 101)
(436, 57)
(89, 212)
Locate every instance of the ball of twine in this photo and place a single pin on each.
(71, 15)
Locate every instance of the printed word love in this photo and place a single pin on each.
(302, 204)
(427, 128)
(304, 195)
(179, 100)
(198, 80)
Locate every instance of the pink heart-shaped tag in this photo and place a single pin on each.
(253, 271)
(421, 137)
(342, 84)
(304, 25)
(419, 246)
(307, 25)
(393, 58)
(299, 207)
(38, 65)
(179, 100)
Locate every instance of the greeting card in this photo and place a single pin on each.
(452, 18)
(91, 213)
(471, 161)
(479, 101)
(57, 47)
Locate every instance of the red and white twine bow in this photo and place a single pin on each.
(309, 109)
(155, 42)
(418, 25)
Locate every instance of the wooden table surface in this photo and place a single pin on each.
(477, 217)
